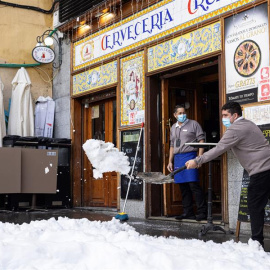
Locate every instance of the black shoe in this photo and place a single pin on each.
(185, 216)
(201, 216)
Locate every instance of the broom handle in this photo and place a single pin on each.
(130, 176)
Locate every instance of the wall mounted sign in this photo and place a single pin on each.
(155, 22)
(243, 212)
(95, 78)
(132, 89)
(246, 52)
(43, 54)
(129, 142)
(260, 115)
(264, 84)
(194, 44)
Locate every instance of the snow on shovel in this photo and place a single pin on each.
(104, 157)
(158, 177)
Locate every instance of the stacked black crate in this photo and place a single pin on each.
(62, 198)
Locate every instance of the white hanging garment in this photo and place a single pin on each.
(21, 119)
(44, 117)
(2, 115)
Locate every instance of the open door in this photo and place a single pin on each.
(198, 91)
(100, 124)
(172, 96)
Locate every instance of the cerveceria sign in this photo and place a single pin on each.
(155, 22)
(44, 55)
(132, 31)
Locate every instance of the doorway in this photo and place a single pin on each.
(99, 122)
(197, 89)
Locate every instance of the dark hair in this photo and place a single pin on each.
(232, 107)
(179, 107)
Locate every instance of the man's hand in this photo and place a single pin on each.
(170, 167)
(191, 164)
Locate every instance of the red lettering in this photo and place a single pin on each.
(102, 45)
(189, 8)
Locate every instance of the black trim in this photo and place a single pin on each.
(30, 7)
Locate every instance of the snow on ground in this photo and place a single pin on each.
(83, 244)
(105, 158)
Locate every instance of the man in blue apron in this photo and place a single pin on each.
(187, 131)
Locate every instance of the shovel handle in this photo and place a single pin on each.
(177, 171)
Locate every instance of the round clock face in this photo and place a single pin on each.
(247, 58)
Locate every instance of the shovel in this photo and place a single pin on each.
(158, 177)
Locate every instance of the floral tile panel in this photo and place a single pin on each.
(191, 45)
(95, 78)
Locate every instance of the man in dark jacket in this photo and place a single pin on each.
(251, 148)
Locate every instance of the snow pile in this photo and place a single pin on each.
(105, 158)
(83, 244)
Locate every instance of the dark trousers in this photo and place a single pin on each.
(187, 190)
(258, 194)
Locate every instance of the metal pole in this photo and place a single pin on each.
(209, 208)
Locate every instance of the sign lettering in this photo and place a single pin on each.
(159, 20)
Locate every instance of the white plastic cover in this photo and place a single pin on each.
(21, 118)
(2, 114)
(44, 117)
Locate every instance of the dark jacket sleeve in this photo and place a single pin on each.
(228, 140)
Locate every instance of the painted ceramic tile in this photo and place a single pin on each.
(132, 89)
(95, 78)
(191, 45)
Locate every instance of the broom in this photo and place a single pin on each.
(124, 216)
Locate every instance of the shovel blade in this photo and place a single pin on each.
(154, 178)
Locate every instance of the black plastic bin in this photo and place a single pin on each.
(28, 141)
(62, 199)
(43, 142)
(9, 140)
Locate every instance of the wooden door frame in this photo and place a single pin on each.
(77, 117)
(164, 117)
(87, 168)
(76, 151)
(224, 161)
(222, 100)
(87, 199)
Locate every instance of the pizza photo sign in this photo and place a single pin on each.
(246, 52)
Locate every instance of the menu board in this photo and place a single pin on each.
(129, 142)
(243, 213)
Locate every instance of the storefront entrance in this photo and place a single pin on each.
(99, 122)
(197, 88)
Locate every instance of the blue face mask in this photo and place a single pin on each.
(181, 118)
(226, 122)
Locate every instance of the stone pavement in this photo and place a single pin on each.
(154, 227)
